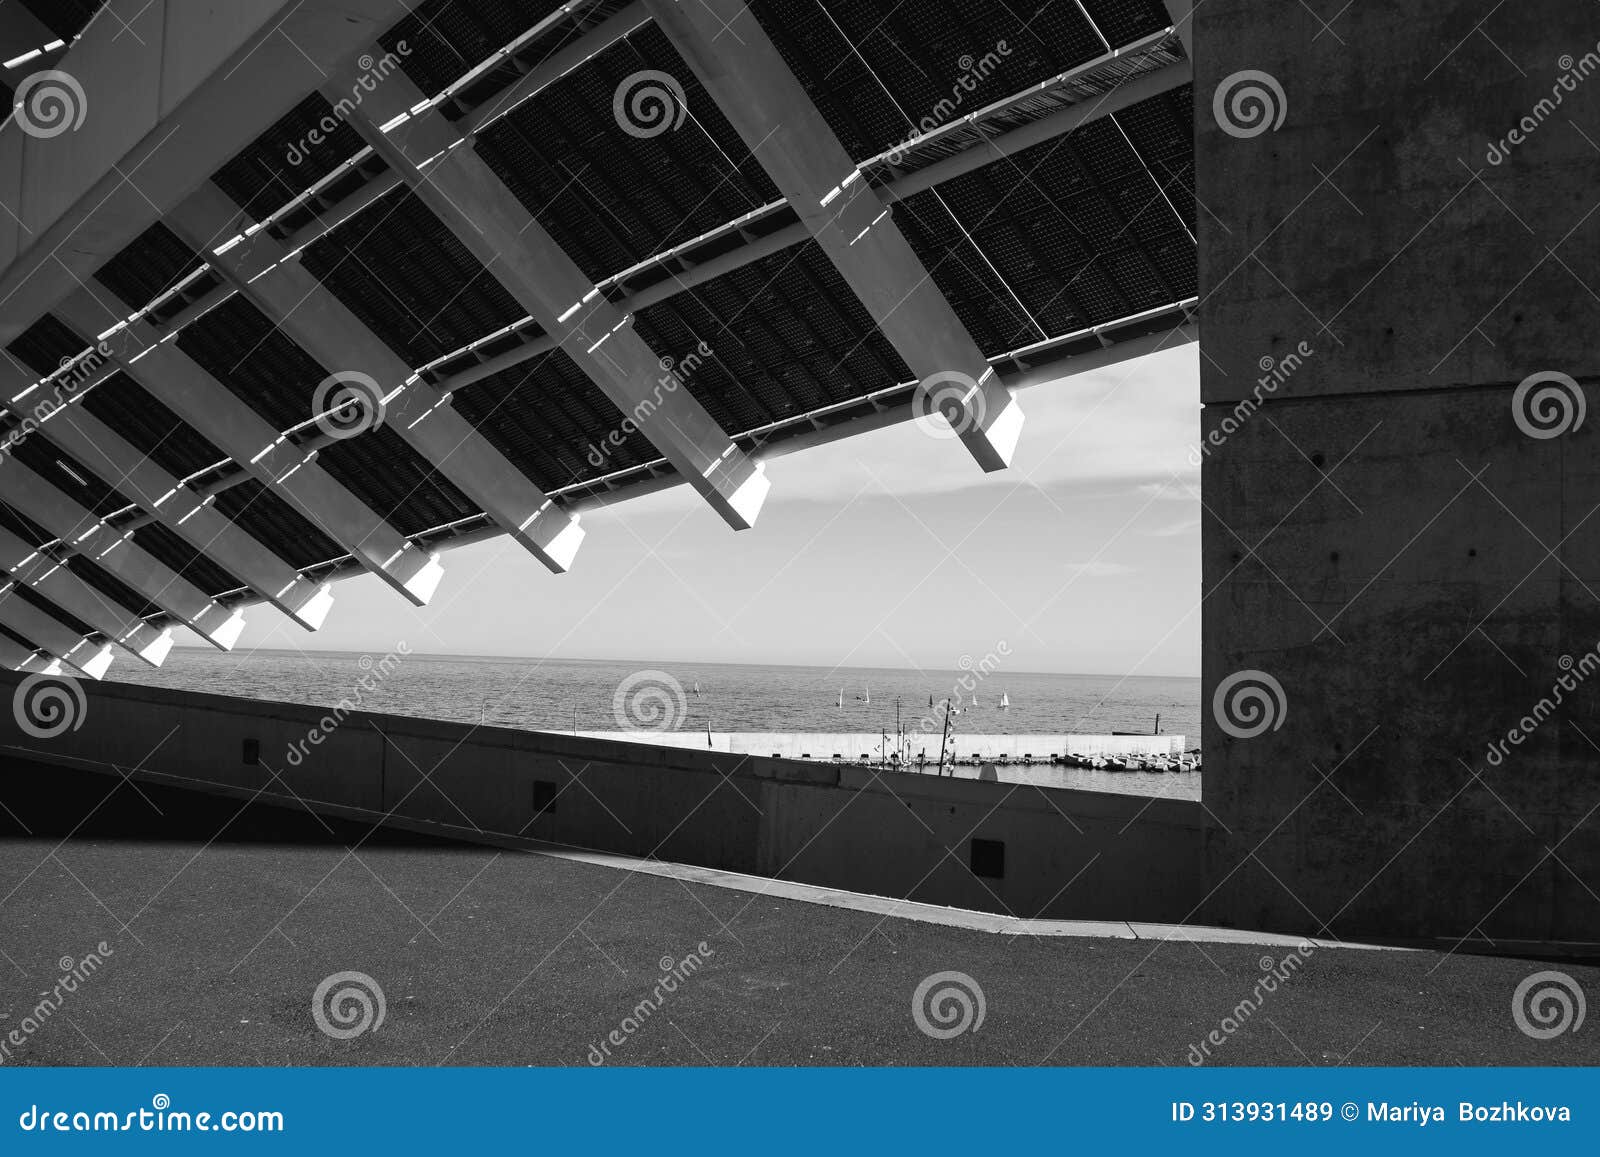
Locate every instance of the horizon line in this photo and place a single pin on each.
(956, 668)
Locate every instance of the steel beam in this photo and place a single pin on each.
(310, 314)
(50, 634)
(169, 91)
(730, 53)
(118, 555)
(1181, 13)
(53, 581)
(16, 657)
(472, 201)
(185, 388)
(187, 514)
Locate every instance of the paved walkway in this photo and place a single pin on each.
(222, 922)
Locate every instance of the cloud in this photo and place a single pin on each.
(1122, 426)
(1097, 569)
(1173, 529)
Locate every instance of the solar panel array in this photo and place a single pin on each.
(1081, 230)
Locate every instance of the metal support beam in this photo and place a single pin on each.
(14, 656)
(28, 566)
(730, 53)
(1181, 13)
(49, 633)
(238, 431)
(170, 90)
(311, 315)
(187, 514)
(467, 196)
(119, 555)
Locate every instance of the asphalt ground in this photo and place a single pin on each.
(222, 919)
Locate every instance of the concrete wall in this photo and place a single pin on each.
(1382, 537)
(1067, 854)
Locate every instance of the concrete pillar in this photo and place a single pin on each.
(1402, 516)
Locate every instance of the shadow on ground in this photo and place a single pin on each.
(222, 919)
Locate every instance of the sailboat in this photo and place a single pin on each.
(697, 689)
(930, 700)
(841, 698)
(974, 698)
(867, 698)
(1005, 702)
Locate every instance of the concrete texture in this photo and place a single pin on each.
(223, 920)
(1381, 537)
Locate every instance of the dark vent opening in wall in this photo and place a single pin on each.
(544, 797)
(989, 859)
(252, 752)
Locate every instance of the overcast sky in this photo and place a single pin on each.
(891, 549)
